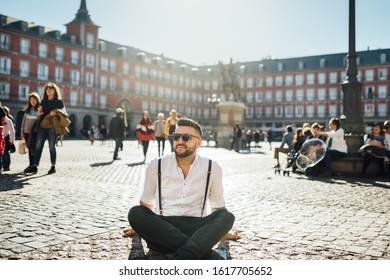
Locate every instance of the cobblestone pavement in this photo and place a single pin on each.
(80, 211)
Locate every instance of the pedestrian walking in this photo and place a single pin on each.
(53, 121)
(170, 126)
(159, 126)
(28, 128)
(145, 132)
(116, 130)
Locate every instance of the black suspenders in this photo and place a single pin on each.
(159, 187)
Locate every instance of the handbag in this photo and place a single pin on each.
(12, 148)
(22, 147)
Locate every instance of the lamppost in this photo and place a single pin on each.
(351, 87)
(214, 100)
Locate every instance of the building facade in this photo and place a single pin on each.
(96, 76)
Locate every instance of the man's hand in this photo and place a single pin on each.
(232, 235)
(128, 232)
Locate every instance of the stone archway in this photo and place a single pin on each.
(87, 123)
(73, 125)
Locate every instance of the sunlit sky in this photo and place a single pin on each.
(203, 32)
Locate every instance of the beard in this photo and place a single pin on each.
(189, 151)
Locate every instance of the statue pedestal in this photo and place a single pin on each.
(230, 114)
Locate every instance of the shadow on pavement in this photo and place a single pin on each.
(136, 163)
(15, 181)
(98, 164)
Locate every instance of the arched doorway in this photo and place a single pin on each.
(87, 122)
(72, 126)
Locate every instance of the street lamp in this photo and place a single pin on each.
(214, 99)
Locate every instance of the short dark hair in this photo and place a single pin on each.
(289, 128)
(336, 122)
(191, 123)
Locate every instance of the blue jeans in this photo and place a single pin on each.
(50, 135)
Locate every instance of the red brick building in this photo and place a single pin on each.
(96, 76)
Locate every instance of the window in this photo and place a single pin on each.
(299, 111)
(301, 65)
(370, 92)
(42, 51)
(382, 92)
(249, 82)
(90, 60)
(73, 98)
(23, 92)
(126, 68)
(138, 71)
(103, 101)
(278, 112)
(152, 90)
(310, 111)
(112, 83)
(74, 57)
(268, 96)
(59, 54)
(332, 111)
(280, 66)
(369, 110)
(259, 82)
(43, 72)
(103, 82)
(90, 41)
(215, 85)
(24, 46)
(333, 77)
(289, 80)
(382, 110)
(249, 97)
(310, 94)
(322, 63)
(137, 88)
(5, 65)
(321, 111)
(279, 81)
(75, 77)
(279, 96)
(383, 58)
(88, 100)
(206, 85)
(112, 65)
(104, 63)
(144, 89)
(59, 74)
(333, 93)
(268, 112)
(249, 112)
(126, 86)
(289, 111)
(321, 94)
(259, 112)
(299, 80)
(89, 79)
(259, 96)
(321, 78)
(4, 90)
(299, 94)
(310, 78)
(24, 68)
(370, 75)
(187, 82)
(4, 41)
(289, 95)
(269, 81)
(382, 73)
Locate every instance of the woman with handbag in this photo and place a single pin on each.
(27, 133)
(145, 132)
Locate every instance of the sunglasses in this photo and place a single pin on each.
(186, 137)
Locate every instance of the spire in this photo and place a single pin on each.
(82, 14)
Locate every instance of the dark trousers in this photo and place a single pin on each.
(161, 144)
(326, 162)
(118, 144)
(145, 145)
(7, 153)
(50, 135)
(31, 149)
(190, 238)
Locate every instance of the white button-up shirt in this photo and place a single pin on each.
(183, 196)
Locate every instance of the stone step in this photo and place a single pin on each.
(352, 166)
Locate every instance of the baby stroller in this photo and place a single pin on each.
(311, 152)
